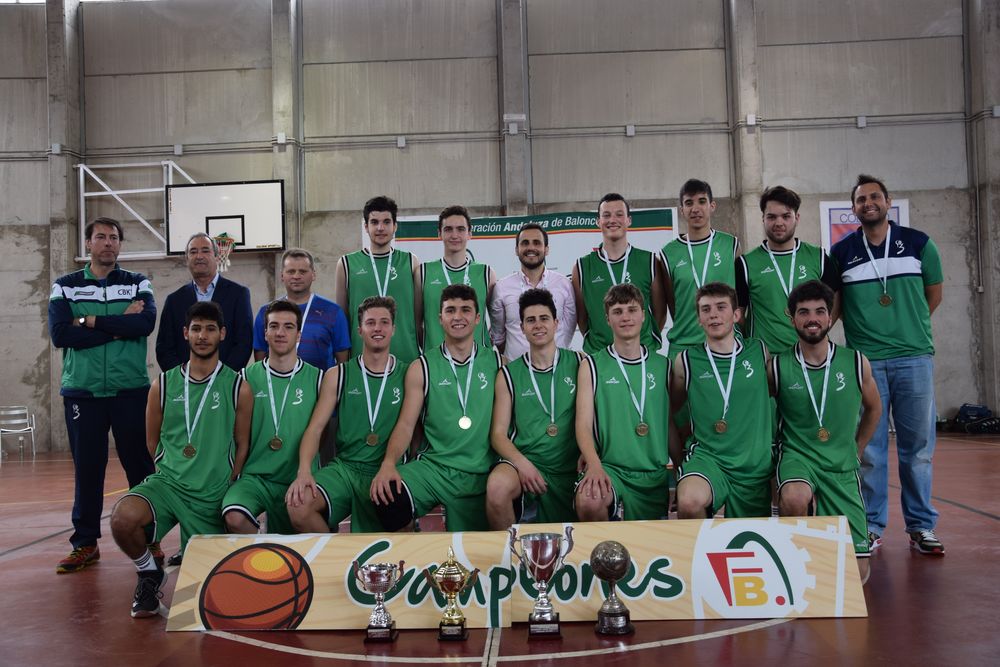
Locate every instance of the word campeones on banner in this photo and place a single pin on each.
(720, 568)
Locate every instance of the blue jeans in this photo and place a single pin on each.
(906, 385)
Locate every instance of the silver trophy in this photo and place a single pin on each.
(542, 556)
(378, 579)
(610, 561)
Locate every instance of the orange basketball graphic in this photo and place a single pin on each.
(259, 587)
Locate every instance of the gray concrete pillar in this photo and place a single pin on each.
(285, 110)
(515, 151)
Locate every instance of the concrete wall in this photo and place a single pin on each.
(350, 76)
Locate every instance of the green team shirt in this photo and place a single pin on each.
(435, 278)
(362, 283)
(744, 450)
(798, 427)
(467, 450)
(352, 432)
(616, 418)
(206, 474)
(636, 266)
(529, 420)
(685, 331)
(767, 317)
(303, 385)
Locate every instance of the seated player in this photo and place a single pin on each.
(533, 424)
(370, 384)
(728, 459)
(820, 388)
(285, 390)
(452, 386)
(194, 414)
(621, 423)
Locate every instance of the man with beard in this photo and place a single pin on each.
(892, 283)
(820, 388)
(531, 247)
(768, 273)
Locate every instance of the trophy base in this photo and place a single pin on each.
(452, 633)
(380, 635)
(614, 624)
(544, 629)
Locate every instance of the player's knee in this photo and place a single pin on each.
(128, 515)
(592, 509)
(794, 499)
(300, 515)
(238, 522)
(397, 513)
(500, 491)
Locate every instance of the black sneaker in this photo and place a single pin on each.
(176, 559)
(874, 541)
(926, 542)
(146, 601)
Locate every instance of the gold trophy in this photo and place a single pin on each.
(451, 578)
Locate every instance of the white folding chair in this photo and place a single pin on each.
(16, 420)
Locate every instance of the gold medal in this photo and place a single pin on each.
(642, 429)
(823, 434)
(465, 423)
(372, 439)
(885, 300)
(552, 430)
(189, 451)
(275, 443)
(721, 426)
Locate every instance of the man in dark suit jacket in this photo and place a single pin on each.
(206, 285)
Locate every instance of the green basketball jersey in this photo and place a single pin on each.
(615, 415)
(447, 444)
(798, 425)
(744, 449)
(303, 385)
(767, 318)
(529, 420)
(206, 474)
(362, 283)
(353, 427)
(685, 330)
(596, 278)
(435, 278)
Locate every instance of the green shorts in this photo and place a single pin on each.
(553, 506)
(836, 493)
(252, 495)
(463, 494)
(638, 495)
(347, 489)
(171, 506)
(743, 497)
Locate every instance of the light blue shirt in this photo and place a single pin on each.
(209, 292)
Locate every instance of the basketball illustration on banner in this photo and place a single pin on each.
(258, 587)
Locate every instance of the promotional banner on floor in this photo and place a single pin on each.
(720, 568)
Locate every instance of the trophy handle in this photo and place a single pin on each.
(513, 540)
(399, 573)
(356, 570)
(569, 547)
(472, 579)
(431, 580)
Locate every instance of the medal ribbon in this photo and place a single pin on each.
(821, 410)
(538, 393)
(786, 288)
(640, 405)
(373, 415)
(447, 278)
(463, 399)
(382, 289)
(275, 415)
(885, 259)
(718, 378)
(704, 268)
(191, 426)
(607, 262)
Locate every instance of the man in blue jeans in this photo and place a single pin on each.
(892, 283)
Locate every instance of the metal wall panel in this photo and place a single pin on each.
(22, 41)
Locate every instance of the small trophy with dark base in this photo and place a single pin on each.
(610, 561)
(542, 556)
(378, 579)
(451, 579)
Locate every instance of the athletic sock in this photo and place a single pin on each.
(145, 562)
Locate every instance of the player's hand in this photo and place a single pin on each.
(135, 307)
(383, 483)
(531, 480)
(595, 483)
(304, 484)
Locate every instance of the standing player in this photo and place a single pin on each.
(703, 255)
(728, 459)
(615, 262)
(767, 274)
(820, 388)
(194, 414)
(892, 283)
(285, 390)
(381, 270)
(370, 384)
(455, 230)
(621, 426)
(531, 247)
(534, 413)
(452, 385)
(324, 339)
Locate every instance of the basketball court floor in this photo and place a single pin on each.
(922, 610)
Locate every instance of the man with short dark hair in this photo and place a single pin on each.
(101, 317)
(892, 283)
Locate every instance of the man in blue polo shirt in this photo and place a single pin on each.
(325, 340)
(892, 283)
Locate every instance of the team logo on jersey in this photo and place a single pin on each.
(853, 260)
(354, 392)
(362, 271)
(612, 380)
(178, 399)
(597, 279)
(397, 395)
(766, 269)
(797, 387)
(392, 273)
(485, 382)
(748, 367)
(569, 382)
(527, 392)
(899, 247)
(718, 258)
(627, 277)
(706, 376)
(259, 394)
(652, 380)
(76, 411)
(435, 282)
(298, 397)
(681, 263)
(216, 400)
(802, 272)
(444, 383)
(841, 381)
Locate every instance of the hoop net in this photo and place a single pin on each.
(225, 245)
